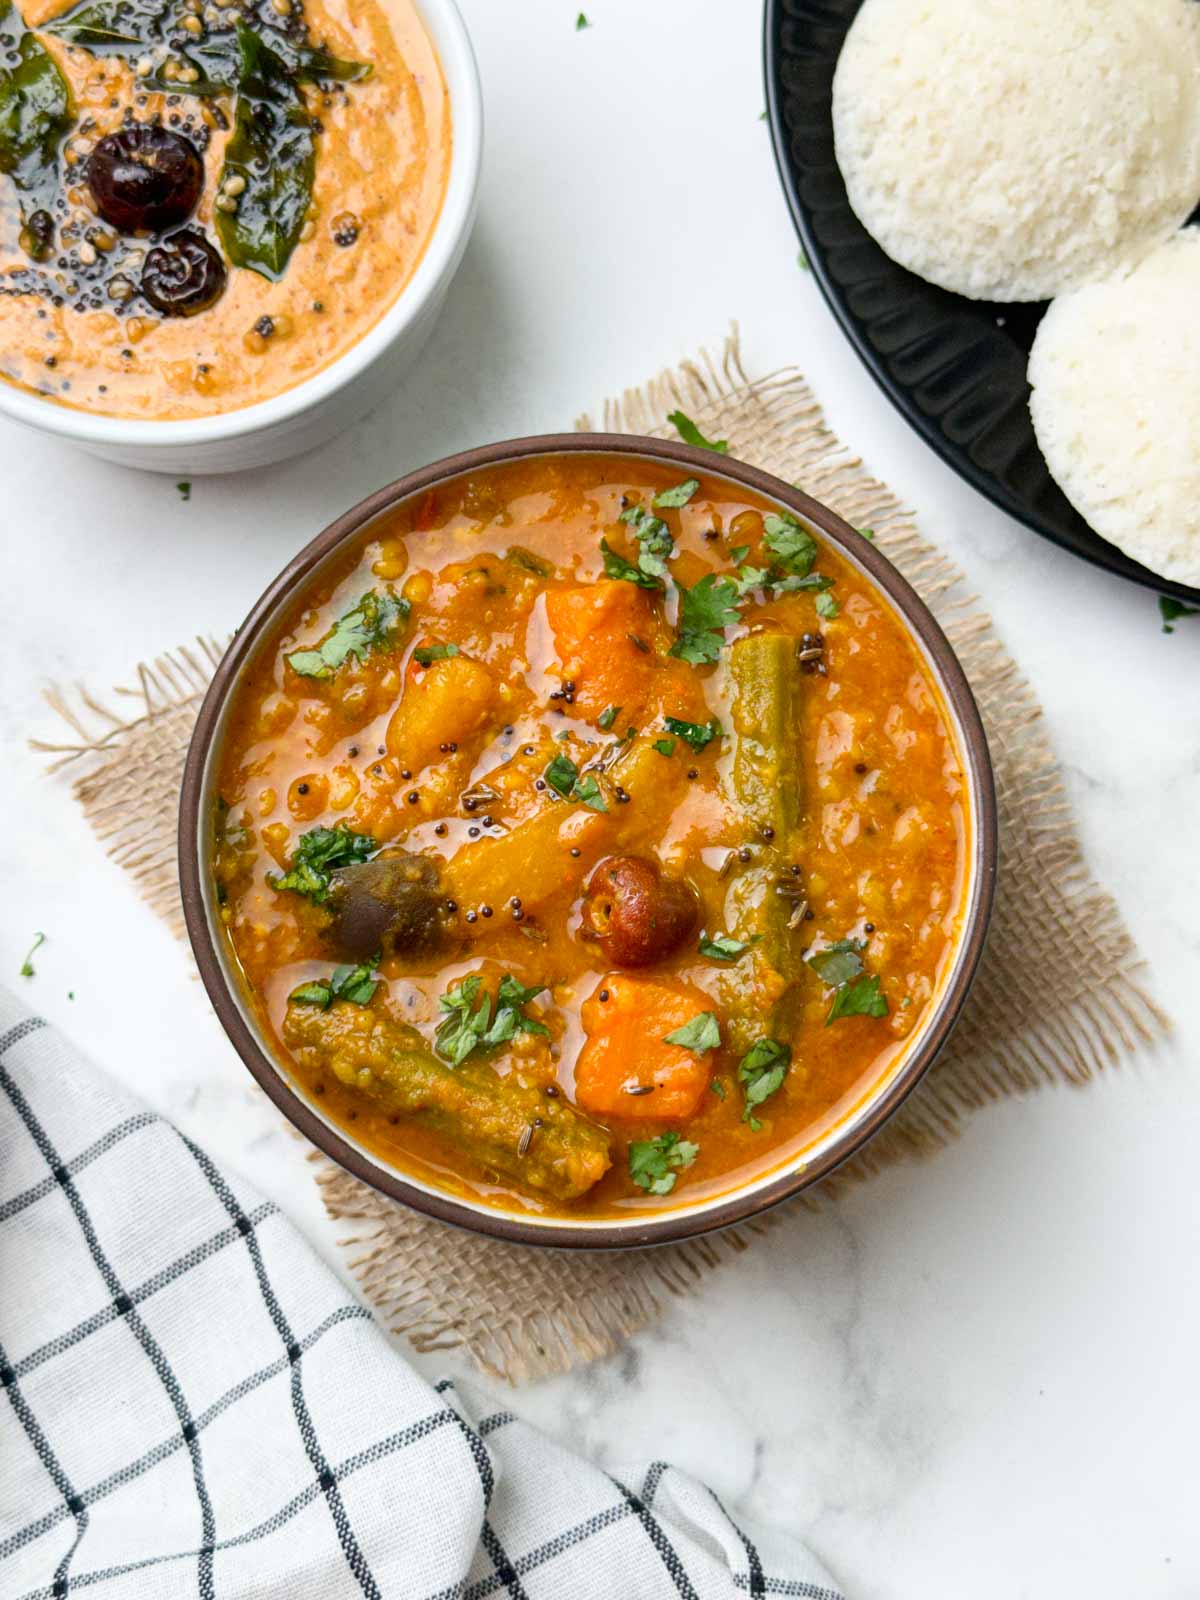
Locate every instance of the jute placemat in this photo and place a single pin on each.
(1057, 998)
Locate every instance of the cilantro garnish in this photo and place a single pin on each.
(690, 434)
(318, 853)
(724, 947)
(581, 22)
(862, 998)
(655, 544)
(607, 717)
(792, 545)
(563, 777)
(665, 747)
(718, 1088)
(355, 984)
(761, 1072)
(752, 578)
(697, 734)
(840, 967)
(28, 970)
(827, 606)
(1171, 611)
(673, 499)
(700, 1034)
(704, 610)
(469, 1026)
(185, 490)
(373, 625)
(426, 654)
(616, 566)
(839, 962)
(653, 1163)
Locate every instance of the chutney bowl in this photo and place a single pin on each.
(743, 1201)
(311, 412)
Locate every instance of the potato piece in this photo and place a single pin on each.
(451, 702)
(626, 1053)
(595, 626)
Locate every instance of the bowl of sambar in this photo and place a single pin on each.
(589, 840)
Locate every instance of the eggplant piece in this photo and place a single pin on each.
(392, 905)
(543, 1144)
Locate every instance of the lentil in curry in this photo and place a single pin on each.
(590, 840)
(204, 203)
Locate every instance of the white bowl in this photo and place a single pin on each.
(308, 415)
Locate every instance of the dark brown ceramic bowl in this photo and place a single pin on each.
(222, 979)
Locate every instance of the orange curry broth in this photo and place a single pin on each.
(883, 838)
(383, 161)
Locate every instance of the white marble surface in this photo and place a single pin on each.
(976, 1378)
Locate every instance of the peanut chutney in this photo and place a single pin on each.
(203, 204)
(590, 839)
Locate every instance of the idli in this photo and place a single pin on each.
(1014, 149)
(1115, 369)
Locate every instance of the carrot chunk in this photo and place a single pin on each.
(603, 636)
(627, 1050)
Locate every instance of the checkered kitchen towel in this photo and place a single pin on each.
(192, 1406)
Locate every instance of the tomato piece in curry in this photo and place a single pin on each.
(590, 841)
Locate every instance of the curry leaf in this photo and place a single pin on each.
(35, 107)
(109, 26)
(273, 149)
(761, 1072)
(653, 1163)
(700, 1034)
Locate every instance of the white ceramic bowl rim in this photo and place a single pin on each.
(452, 43)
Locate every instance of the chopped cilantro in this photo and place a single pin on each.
(607, 717)
(561, 775)
(665, 747)
(655, 544)
(616, 566)
(761, 1072)
(1171, 611)
(738, 553)
(700, 1034)
(581, 22)
(673, 499)
(185, 490)
(704, 610)
(344, 983)
(718, 1088)
(724, 947)
(653, 1163)
(791, 544)
(588, 791)
(690, 434)
(28, 970)
(751, 578)
(839, 962)
(469, 1026)
(373, 624)
(867, 533)
(697, 734)
(827, 606)
(802, 261)
(318, 853)
(861, 998)
(426, 654)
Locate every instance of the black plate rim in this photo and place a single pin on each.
(1117, 563)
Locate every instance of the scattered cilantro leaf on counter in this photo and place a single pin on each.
(426, 654)
(28, 970)
(373, 624)
(653, 1163)
(185, 490)
(318, 853)
(696, 734)
(581, 22)
(616, 566)
(607, 717)
(704, 610)
(827, 606)
(469, 1026)
(673, 499)
(802, 261)
(761, 1072)
(861, 998)
(690, 434)
(700, 1034)
(838, 963)
(724, 947)
(355, 984)
(1171, 611)
(665, 747)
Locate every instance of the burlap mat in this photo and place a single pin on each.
(1056, 999)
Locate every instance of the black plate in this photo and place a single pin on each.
(955, 368)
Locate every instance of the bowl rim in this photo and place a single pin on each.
(443, 250)
(736, 1206)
